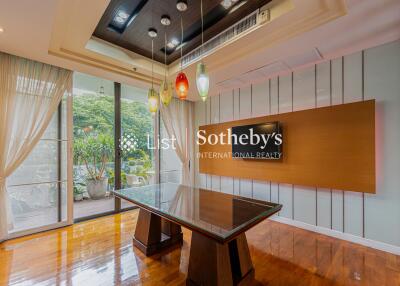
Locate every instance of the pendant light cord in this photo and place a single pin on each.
(202, 29)
(181, 42)
(152, 60)
(165, 55)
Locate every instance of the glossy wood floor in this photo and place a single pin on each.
(100, 252)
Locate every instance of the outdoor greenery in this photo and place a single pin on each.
(94, 138)
(94, 151)
(95, 114)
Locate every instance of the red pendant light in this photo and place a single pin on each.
(182, 85)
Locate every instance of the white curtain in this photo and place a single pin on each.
(29, 95)
(178, 121)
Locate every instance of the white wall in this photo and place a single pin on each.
(373, 73)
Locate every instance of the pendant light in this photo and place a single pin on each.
(101, 89)
(182, 83)
(152, 97)
(202, 79)
(166, 86)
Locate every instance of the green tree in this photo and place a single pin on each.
(94, 151)
(95, 114)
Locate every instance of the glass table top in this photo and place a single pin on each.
(218, 215)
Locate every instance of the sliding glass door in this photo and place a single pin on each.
(113, 144)
(93, 117)
(113, 136)
(137, 148)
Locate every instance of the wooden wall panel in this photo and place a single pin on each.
(381, 73)
(326, 147)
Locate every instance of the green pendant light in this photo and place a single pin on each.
(202, 78)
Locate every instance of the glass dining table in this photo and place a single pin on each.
(218, 222)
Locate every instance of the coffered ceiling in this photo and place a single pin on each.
(125, 23)
(299, 33)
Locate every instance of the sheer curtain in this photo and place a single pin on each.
(178, 121)
(29, 95)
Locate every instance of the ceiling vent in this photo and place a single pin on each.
(297, 61)
(231, 34)
(266, 71)
(273, 69)
(229, 83)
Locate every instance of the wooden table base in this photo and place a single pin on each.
(212, 263)
(154, 234)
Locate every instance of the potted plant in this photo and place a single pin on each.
(94, 151)
(79, 190)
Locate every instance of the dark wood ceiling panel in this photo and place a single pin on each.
(144, 14)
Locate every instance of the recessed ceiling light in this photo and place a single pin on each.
(1, 30)
(119, 19)
(181, 5)
(175, 41)
(123, 15)
(165, 20)
(226, 4)
(152, 32)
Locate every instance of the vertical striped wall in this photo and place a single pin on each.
(373, 73)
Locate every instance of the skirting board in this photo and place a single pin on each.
(340, 235)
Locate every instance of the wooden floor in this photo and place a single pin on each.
(100, 252)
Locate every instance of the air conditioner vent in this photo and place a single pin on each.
(222, 38)
(299, 60)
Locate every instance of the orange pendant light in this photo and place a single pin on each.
(182, 86)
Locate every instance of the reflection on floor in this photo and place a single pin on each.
(100, 252)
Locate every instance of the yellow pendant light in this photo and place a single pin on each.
(166, 87)
(166, 92)
(152, 100)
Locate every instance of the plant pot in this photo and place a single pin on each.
(97, 188)
(78, 197)
(133, 180)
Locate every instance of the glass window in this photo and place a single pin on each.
(137, 140)
(93, 115)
